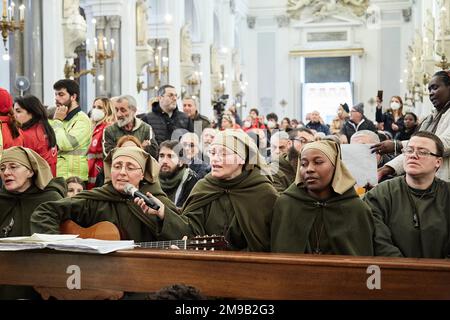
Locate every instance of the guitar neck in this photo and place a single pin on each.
(162, 244)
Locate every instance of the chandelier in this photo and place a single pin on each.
(157, 69)
(9, 24)
(97, 52)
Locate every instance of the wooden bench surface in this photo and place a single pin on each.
(233, 274)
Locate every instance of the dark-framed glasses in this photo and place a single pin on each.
(419, 152)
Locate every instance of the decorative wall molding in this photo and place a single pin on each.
(327, 53)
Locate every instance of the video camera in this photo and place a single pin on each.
(219, 105)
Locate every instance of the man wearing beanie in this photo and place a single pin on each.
(72, 129)
(357, 122)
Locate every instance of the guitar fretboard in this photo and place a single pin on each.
(162, 244)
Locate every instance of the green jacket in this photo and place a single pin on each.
(347, 227)
(73, 137)
(102, 204)
(16, 208)
(240, 209)
(141, 130)
(397, 232)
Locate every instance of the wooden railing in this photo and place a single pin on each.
(235, 274)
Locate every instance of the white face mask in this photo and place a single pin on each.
(247, 124)
(97, 114)
(395, 105)
(271, 124)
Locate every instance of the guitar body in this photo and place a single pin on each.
(104, 230)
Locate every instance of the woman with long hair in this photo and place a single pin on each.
(392, 119)
(38, 134)
(102, 115)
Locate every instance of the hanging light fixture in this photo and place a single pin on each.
(8, 24)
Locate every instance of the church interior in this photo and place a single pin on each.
(288, 57)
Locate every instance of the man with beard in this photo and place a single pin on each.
(284, 166)
(72, 130)
(128, 124)
(165, 118)
(176, 179)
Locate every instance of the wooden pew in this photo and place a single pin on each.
(233, 274)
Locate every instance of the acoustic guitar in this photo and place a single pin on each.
(106, 230)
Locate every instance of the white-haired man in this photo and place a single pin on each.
(128, 124)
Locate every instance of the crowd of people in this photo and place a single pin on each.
(265, 185)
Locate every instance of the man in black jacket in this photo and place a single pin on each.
(357, 122)
(165, 118)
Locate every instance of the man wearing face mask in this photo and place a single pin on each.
(393, 119)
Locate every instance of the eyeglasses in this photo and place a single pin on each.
(187, 144)
(419, 152)
(12, 168)
(118, 167)
(221, 154)
(301, 140)
(171, 95)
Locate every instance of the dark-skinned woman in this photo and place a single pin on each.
(438, 122)
(321, 213)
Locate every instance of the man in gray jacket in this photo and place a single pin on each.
(128, 124)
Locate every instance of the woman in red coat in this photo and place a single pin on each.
(11, 136)
(37, 132)
(102, 115)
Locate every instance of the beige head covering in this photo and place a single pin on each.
(239, 142)
(31, 160)
(149, 165)
(342, 179)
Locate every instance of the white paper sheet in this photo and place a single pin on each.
(361, 163)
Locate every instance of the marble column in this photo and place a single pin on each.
(33, 60)
(100, 87)
(115, 85)
(53, 54)
(15, 42)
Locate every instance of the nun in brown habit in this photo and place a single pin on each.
(321, 213)
(27, 182)
(109, 202)
(234, 200)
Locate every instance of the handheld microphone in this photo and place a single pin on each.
(134, 192)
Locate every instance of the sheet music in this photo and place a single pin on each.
(64, 243)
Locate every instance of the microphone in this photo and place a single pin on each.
(134, 192)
